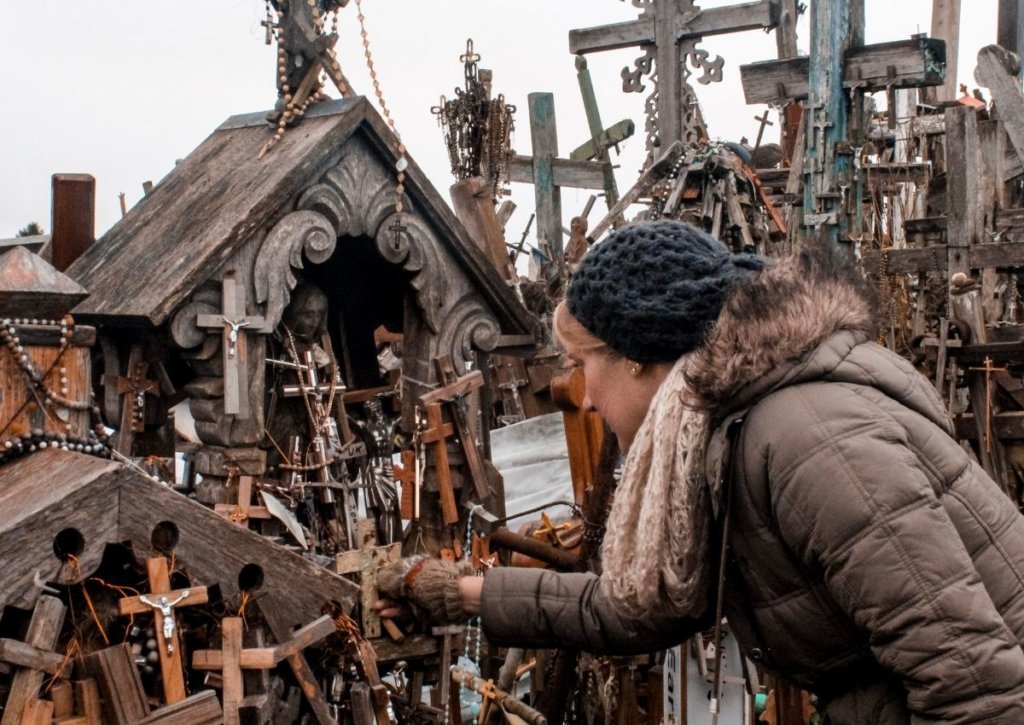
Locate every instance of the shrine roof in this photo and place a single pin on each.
(223, 194)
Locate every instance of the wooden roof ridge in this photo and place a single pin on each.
(221, 194)
(29, 285)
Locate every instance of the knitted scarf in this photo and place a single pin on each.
(655, 551)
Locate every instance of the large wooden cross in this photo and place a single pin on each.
(162, 602)
(549, 174)
(134, 386)
(232, 658)
(668, 31)
(365, 561)
(33, 658)
(233, 323)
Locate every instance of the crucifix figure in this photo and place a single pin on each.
(134, 387)
(233, 323)
(162, 602)
(668, 31)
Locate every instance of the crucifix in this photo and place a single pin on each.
(668, 31)
(162, 602)
(988, 368)
(232, 657)
(33, 658)
(549, 174)
(365, 561)
(133, 387)
(405, 474)
(233, 323)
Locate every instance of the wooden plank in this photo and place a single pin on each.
(22, 654)
(710, 21)
(73, 219)
(37, 712)
(963, 162)
(471, 199)
(914, 63)
(565, 172)
(202, 708)
(946, 26)
(1010, 27)
(935, 258)
(87, 694)
(304, 675)
(43, 632)
(113, 670)
(546, 192)
(62, 693)
(232, 689)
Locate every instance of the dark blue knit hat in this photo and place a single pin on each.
(652, 290)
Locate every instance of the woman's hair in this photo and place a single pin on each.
(570, 332)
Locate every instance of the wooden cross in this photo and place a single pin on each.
(243, 510)
(405, 474)
(366, 561)
(988, 369)
(673, 28)
(763, 121)
(549, 174)
(33, 658)
(133, 388)
(436, 432)
(601, 139)
(232, 658)
(233, 323)
(162, 602)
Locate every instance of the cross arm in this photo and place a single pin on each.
(564, 172)
(470, 381)
(135, 605)
(258, 658)
(22, 654)
(309, 635)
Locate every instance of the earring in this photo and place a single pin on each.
(635, 368)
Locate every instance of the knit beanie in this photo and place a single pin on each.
(652, 290)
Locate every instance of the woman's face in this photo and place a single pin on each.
(621, 397)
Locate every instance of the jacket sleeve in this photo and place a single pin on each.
(855, 500)
(538, 608)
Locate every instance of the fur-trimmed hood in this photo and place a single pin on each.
(773, 321)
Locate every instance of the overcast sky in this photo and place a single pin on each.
(120, 89)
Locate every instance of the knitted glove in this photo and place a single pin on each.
(428, 583)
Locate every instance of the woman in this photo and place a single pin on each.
(869, 559)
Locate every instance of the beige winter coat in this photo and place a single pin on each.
(870, 560)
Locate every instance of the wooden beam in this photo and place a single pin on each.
(915, 63)
(73, 219)
(935, 258)
(946, 26)
(565, 172)
(1010, 31)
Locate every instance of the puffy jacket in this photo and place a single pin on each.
(871, 560)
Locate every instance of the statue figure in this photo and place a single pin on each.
(381, 495)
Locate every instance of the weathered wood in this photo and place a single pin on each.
(87, 694)
(946, 26)
(124, 700)
(1010, 28)
(471, 199)
(219, 197)
(31, 287)
(199, 709)
(73, 218)
(965, 211)
(63, 696)
(998, 70)
(281, 628)
(642, 186)
(366, 561)
(243, 510)
(22, 654)
(37, 712)
(43, 632)
(546, 192)
(712, 21)
(915, 63)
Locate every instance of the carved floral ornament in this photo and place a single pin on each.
(356, 198)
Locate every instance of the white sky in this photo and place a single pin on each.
(120, 89)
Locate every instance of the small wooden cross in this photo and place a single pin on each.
(134, 387)
(270, 27)
(763, 120)
(243, 510)
(232, 658)
(234, 322)
(988, 369)
(366, 561)
(34, 657)
(162, 601)
(405, 474)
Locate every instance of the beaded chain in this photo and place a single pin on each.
(15, 446)
(473, 625)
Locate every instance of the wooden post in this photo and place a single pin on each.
(162, 602)
(234, 322)
(1011, 25)
(366, 561)
(965, 213)
(124, 700)
(836, 26)
(474, 207)
(584, 430)
(946, 26)
(406, 475)
(546, 192)
(33, 658)
(73, 221)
